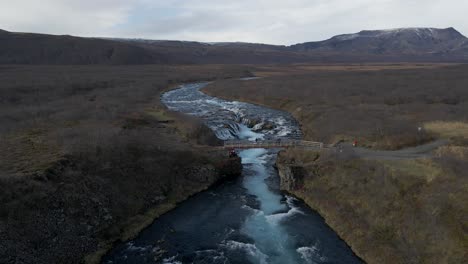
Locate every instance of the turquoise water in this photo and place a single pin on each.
(247, 220)
(264, 224)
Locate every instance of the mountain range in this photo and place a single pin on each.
(420, 41)
(392, 45)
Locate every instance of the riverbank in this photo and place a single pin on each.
(247, 220)
(398, 211)
(93, 157)
(207, 177)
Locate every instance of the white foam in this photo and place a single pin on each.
(235, 108)
(282, 127)
(264, 158)
(250, 156)
(250, 249)
(253, 210)
(293, 210)
(258, 126)
(212, 255)
(171, 260)
(214, 102)
(131, 247)
(290, 200)
(249, 78)
(183, 99)
(206, 251)
(246, 133)
(311, 254)
(283, 131)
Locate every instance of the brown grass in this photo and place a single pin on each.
(294, 69)
(458, 152)
(401, 211)
(94, 147)
(28, 152)
(380, 108)
(393, 212)
(448, 129)
(418, 168)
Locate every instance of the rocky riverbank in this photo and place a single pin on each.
(108, 202)
(398, 210)
(387, 211)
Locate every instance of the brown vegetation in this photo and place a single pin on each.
(456, 131)
(400, 211)
(305, 68)
(388, 211)
(89, 156)
(380, 109)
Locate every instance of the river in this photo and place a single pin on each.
(244, 221)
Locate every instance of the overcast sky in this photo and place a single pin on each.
(263, 21)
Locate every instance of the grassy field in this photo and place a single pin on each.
(456, 131)
(90, 156)
(296, 69)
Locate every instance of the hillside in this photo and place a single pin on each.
(221, 53)
(396, 45)
(412, 43)
(28, 48)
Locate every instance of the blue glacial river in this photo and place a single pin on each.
(245, 221)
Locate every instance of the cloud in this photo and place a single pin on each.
(85, 18)
(272, 21)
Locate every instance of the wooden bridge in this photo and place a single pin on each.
(283, 143)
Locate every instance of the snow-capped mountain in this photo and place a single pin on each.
(414, 41)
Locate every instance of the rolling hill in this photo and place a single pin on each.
(28, 48)
(393, 45)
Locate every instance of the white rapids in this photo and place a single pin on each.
(245, 221)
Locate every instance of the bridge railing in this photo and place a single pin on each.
(272, 144)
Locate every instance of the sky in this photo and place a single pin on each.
(260, 21)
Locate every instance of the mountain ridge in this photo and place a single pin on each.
(388, 45)
(390, 41)
(32, 48)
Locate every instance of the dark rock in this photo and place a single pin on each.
(291, 177)
(230, 168)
